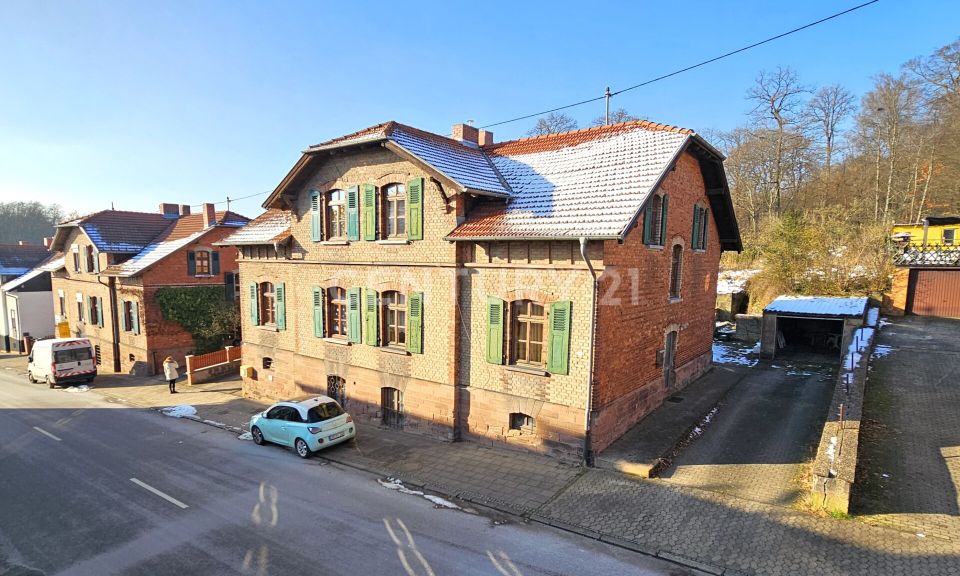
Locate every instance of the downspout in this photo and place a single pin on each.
(114, 323)
(588, 428)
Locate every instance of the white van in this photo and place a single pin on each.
(61, 360)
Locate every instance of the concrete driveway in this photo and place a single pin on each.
(909, 462)
(762, 434)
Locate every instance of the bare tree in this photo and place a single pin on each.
(778, 97)
(828, 107)
(553, 123)
(617, 116)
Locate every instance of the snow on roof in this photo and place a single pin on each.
(55, 264)
(267, 228)
(150, 256)
(831, 306)
(17, 259)
(588, 183)
(17, 282)
(733, 281)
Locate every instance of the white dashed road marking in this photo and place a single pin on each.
(166, 497)
(47, 434)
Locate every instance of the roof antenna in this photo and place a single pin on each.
(606, 116)
(111, 205)
(228, 203)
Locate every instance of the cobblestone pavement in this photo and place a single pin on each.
(746, 536)
(765, 430)
(909, 467)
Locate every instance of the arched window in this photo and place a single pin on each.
(676, 269)
(395, 210)
(394, 319)
(529, 320)
(337, 312)
(268, 314)
(336, 214)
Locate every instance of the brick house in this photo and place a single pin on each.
(546, 293)
(114, 263)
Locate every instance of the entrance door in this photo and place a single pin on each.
(669, 360)
(391, 403)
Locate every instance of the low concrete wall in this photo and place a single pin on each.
(213, 372)
(748, 328)
(835, 466)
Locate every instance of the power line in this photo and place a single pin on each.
(691, 67)
(230, 200)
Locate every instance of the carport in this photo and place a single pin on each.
(796, 325)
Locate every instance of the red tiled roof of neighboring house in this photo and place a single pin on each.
(271, 227)
(16, 259)
(179, 233)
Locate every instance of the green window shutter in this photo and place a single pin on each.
(280, 295)
(96, 262)
(494, 330)
(704, 233)
(415, 322)
(191, 263)
(369, 212)
(136, 316)
(558, 355)
(215, 263)
(647, 223)
(663, 222)
(353, 315)
(254, 305)
(89, 310)
(415, 209)
(316, 224)
(369, 317)
(318, 312)
(228, 290)
(100, 311)
(353, 213)
(695, 235)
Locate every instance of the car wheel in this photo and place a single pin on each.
(49, 382)
(302, 449)
(257, 436)
(30, 378)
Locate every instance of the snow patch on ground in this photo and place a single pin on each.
(245, 436)
(733, 281)
(881, 350)
(873, 316)
(883, 322)
(80, 388)
(397, 484)
(725, 353)
(179, 411)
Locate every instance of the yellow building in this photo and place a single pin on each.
(932, 231)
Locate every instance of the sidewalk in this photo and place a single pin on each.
(712, 532)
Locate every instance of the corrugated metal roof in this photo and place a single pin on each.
(818, 306)
(585, 183)
(270, 227)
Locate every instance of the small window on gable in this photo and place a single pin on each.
(698, 240)
(520, 421)
(655, 221)
(203, 263)
(91, 262)
(676, 269)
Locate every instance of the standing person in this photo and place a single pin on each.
(170, 368)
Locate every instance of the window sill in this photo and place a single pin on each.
(267, 327)
(699, 250)
(527, 370)
(334, 242)
(674, 300)
(654, 246)
(393, 350)
(204, 276)
(394, 242)
(337, 341)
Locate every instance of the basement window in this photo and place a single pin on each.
(521, 421)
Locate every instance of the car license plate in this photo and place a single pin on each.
(337, 436)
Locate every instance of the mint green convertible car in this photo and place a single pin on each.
(306, 425)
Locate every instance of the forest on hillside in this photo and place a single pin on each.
(818, 175)
(28, 221)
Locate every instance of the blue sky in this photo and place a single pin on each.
(141, 103)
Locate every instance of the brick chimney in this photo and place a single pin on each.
(23, 243)
(48, 242)
(209, 215)
(170, 210)
(184, 209)
(485, 138)
(465, 133)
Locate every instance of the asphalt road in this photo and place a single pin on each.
(88, 487)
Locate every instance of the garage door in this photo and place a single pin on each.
(935, 293)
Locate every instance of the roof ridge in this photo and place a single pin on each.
(644, 124)
(385, 126)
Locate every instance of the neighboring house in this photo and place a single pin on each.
(115, 261)
(16, 260)
(546, 292)
(926, 281)
(933, 230)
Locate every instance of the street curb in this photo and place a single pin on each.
(690, 563)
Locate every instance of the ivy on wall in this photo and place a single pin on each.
(203, 312)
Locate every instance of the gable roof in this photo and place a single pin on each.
(271, 227)
(117, 231)
(180, 233)
(586, 183)
(16, 259)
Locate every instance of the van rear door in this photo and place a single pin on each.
(72, 358)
